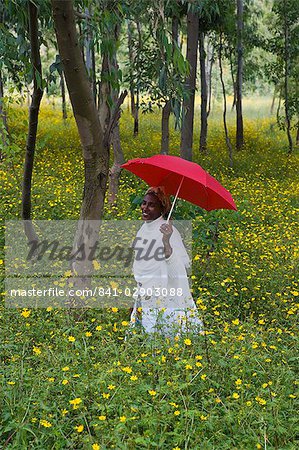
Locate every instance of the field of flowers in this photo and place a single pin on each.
(73, 382)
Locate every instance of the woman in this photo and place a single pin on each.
(163, 301)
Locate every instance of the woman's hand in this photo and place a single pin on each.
(167, 230)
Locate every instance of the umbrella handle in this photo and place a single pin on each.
(176, 196)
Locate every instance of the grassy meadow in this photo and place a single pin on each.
(73, 382)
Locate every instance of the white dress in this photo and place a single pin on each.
(163, 293)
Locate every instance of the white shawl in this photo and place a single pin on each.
(163, 273)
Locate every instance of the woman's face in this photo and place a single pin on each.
(151, 208)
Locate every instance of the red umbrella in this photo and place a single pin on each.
(182, 178)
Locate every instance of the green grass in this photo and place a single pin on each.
(233, 388)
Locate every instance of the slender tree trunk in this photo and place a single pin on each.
(165, 128)
(118, 156)
(233, 81)
(33, 122)
(134, 93)
(273, 100)
(227, 139)
(131, 61)
(175, 30)
(210, 63)
(89, 54)
(115, 170)
(167, 107)
(3, 117)
(136, 114)
(188, 104)
(297, 135)
(137, 104)
(239, 81)
(94, 79)
(204, 95)
(62, 86)
(278, 106)
(286, 85)
(105, 92)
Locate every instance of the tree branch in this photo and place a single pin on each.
(115, 117)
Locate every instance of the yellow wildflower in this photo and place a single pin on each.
(26, 313)
(152, 392)
(45, 423)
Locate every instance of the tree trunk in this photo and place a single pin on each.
(175, 30)
(115, 170)
(33, 122)
(227, 139)
(95, 152)
(286, 84)
(278, 106)
(118, 156)
(188, 103)
(204, 95)
(210, 63)
(105, 93)
(62, 86)
(297, 135)
(94, 80)
(89, 54)
(273, 100)
(3, 117)
(136, 114)
(239, 81)
(167, 107)
(131, 61)
(94, 144)
(233, 81)
(165, 128)
(134, 93)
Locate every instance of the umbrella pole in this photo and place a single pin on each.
(176, 196)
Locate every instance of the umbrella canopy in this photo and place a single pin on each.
(182, 178)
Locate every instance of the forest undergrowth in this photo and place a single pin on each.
(74, 381)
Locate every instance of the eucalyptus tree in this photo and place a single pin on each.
(133, 26)
(227, 138)
(239, 80)
(110, 17)
(33, 118)
(94, 145)
(284, 71)
(209, 16)
(25, 35)
(14, 57)
(159, 67)
(94, 129)
(222, 30)
(173, 10)
(3, 116)
(190, 82)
